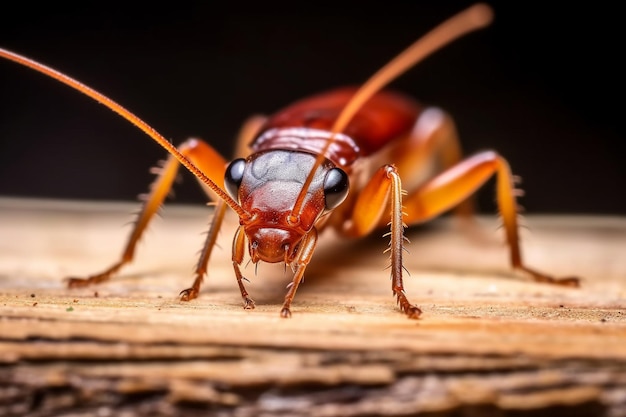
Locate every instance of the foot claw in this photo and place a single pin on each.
(85, 282)
(248, 304)
(285, 313)
(573, 282)
(78, 282)
(413, 312)
(568, 282)
(73, 282)
(188, 294)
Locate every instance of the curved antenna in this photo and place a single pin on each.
(132, 118)
(471, 19)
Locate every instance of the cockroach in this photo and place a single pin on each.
(332, 160)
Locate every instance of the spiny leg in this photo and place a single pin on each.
(247, 132)
(203, 156)
(396, 245)
(433, 139)
(201, 267)
(159, 189)
(383, 188)
(454, 185)
(212, 164)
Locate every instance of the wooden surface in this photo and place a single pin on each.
(489, 342)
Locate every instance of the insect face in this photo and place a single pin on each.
(267, 185)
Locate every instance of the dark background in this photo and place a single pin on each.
(543, 85)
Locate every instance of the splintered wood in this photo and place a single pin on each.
(489, 341)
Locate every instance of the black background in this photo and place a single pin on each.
(543, 85)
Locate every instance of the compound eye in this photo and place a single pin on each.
(233, 177)
(336, 187)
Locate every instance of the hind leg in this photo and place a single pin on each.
(455, 184)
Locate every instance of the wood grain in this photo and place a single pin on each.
(489, 343)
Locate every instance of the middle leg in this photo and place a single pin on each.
(249, 129)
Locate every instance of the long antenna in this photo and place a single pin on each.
(132, 118)
(475, 17)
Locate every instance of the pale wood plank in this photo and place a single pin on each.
(488, 339)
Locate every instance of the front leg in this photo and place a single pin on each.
(385, 187)
(248, 131)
